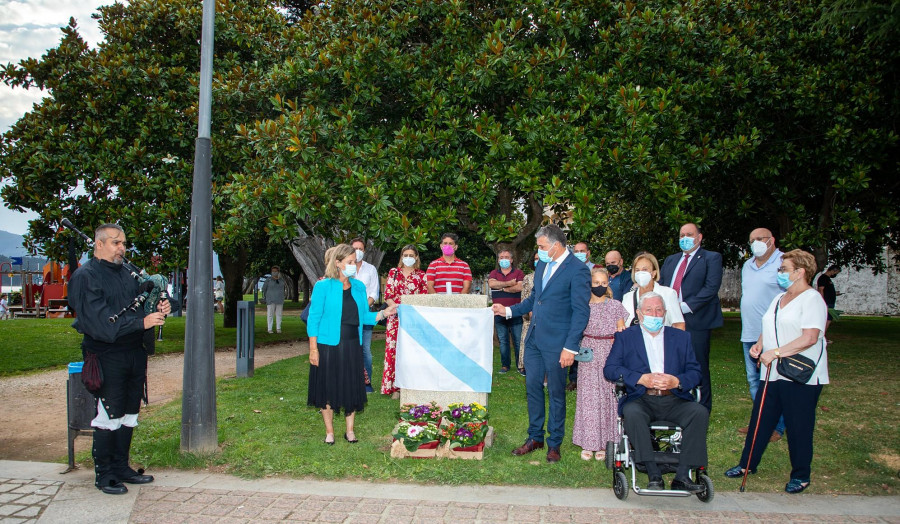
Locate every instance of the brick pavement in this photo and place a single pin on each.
(25, 500)
(173, 505)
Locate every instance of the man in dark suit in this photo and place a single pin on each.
(559, 313)
(696, 275)
(659, 370)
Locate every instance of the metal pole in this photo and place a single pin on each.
(198, 405)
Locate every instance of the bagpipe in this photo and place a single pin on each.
(153, 288)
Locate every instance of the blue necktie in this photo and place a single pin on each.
(546, 276)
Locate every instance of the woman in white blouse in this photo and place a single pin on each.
(794, 324)
(645, 274)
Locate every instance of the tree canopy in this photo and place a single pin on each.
(405, 118)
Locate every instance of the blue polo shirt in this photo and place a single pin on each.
(621, 284)
(759, 287)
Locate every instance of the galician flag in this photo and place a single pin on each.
(445, 349)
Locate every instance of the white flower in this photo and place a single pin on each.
(413, 431)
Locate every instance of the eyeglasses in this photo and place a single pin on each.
(783, 269)
(761, 239)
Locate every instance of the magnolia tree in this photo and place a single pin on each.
(113, 139)
(404, 119)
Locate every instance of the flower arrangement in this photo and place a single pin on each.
(464, 434)
(458, 413)
(421, 413)
(412, 436)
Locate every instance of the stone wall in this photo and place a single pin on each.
(863, 292)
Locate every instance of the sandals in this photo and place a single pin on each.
(737, 472)
(587, 455)
(600, 455)
(796, 486)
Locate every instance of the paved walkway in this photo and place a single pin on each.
(36, 492)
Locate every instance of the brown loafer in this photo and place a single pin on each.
(572, 386)
(529, 446)
(776, 436)
(744, 430)
(553, 455)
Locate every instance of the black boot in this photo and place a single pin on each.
(102, 451)
(121, 458)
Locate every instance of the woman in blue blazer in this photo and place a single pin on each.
(338, 309)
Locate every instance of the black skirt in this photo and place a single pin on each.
(338, 382)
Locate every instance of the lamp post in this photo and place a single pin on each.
(198, 405)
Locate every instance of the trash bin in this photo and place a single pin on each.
(81, 407)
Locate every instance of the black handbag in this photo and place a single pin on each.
(795, 367)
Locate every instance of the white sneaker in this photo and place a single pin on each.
(279, 331)
(270, 331)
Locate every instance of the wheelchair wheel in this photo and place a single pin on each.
(708, 492)
(610, 455)
(620, 485)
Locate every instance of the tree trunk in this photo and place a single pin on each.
(519, 245)
(826, 218)
(310, 253)
(249, 285)
(233, 267)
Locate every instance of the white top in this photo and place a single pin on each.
(368, 275)
(670, 299)
(656, 350)
(806, 311)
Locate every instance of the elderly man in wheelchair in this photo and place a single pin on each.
(658, 368)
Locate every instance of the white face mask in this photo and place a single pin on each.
(360, 254)
(758, 248)
(409, 261)
(643, 278)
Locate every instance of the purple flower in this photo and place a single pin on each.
(463, 432)
(456, 413)
(467, 408)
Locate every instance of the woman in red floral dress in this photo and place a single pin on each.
(405, 279)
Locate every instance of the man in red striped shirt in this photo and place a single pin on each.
(448, 274)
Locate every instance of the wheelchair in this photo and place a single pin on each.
(666, 440)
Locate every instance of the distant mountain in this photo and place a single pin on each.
(11, 245)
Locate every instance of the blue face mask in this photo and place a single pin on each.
(581, 256)
(652, 324)
(504, 263)
(686, 243)
(349, 271)
(535, 263)
(544, 256)
(784, 280)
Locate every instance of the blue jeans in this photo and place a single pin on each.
(506, 328)
(367, 350)
(753, 380)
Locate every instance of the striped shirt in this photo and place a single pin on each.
(440, 273)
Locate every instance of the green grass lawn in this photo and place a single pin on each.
(31, 344)
(265, 427)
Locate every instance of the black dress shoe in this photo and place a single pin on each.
(687, 485)
(656, 483)
(140, 478)
(529, 446)
(114, 489)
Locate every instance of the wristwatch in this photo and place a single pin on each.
(777, 354)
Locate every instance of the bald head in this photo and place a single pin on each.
(765, 236)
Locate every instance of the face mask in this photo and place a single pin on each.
(643, 278)
(544, 256)
(784, 280)
(349, 271)
(686, 243)
(447, 249)
(535, 263)
(652, 324)
(581, 256)
(612, 269)
(504, 264)
(758, 248)
(599, 291)
(360, 254)
(409, 261)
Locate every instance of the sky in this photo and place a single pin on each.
(27, 29)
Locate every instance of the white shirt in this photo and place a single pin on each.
(656, 350)
(806, 311)
(670, 299)
(681, 303)
(368, 275)
(558, 262)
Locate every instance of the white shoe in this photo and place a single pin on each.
(270, 331)
(279, 331)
